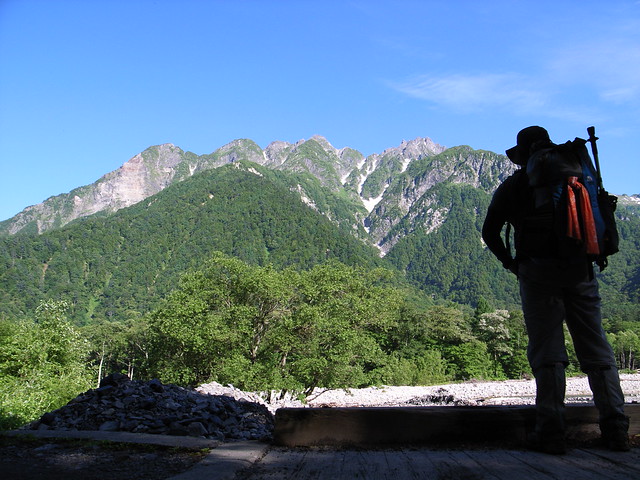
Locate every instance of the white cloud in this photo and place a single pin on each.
(508, 93)
(611, 68)
(588, 67)
(469, 93)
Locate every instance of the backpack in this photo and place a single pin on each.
(564, 210)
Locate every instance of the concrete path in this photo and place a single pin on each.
(260, 461)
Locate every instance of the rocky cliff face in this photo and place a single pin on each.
(386, 188)
(145, 174)
(411, 196)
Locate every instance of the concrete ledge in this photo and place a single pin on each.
(194, 443)
(426, 425)
(223, 462)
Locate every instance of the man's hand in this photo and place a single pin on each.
(512, 266)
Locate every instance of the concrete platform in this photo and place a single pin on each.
(281, 463)
(470, 443)
(382, 426)
(260, 461)
(193, 443)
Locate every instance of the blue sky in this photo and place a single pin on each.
(87, 84)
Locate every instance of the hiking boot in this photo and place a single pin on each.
(609, 399)
(553, 444)
(617, 440)
(615, 434)
(548, 436)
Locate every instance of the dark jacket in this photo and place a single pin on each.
(499, 213)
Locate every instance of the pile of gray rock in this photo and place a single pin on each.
(120, 404)
(440, 397)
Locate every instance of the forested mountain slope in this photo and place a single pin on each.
(125, 263)
(298, 204)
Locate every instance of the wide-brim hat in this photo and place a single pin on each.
(526, 137)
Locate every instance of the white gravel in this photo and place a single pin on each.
(509, 392)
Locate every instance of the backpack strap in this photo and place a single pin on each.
(580, 222)
(507, 238)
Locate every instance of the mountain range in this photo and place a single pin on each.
(364, 179)
(417, 207)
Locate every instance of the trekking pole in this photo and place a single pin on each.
(594, 148)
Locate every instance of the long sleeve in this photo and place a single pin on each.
(502, 203)
(491, 234)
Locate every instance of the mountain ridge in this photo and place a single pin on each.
(158, 166)
(366, 179)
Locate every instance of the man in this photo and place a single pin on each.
(554, 288)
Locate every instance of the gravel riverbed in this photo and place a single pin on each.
(508, 392)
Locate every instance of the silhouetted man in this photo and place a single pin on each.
(554, 288)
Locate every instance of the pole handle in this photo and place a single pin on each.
(594, 148)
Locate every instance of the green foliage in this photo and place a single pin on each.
(117, 347)
(451, 261)
(626, 345)
(505, 339)
(330, 326)
(428, 368)
(119, 267)
(219, 316)
(340, 314)
(482, 306)
(471, 360)
(261, 328)
(620, 281)
(41, 365)
(515, 363)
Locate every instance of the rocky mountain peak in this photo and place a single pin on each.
(324, 143)
(364, 179)
(275, 153)
(416, 148)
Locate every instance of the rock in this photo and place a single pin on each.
(156, 385)
(109, 426)
(47, 418)
(197, 429)
(114, 379)
(152, 407)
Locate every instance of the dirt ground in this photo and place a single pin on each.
(58, 459)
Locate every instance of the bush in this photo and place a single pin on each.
(472, 361)
(429, 369)
(42, 365)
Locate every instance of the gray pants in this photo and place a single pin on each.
(553, 292)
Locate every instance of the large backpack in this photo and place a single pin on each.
(564, 211)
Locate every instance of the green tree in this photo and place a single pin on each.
(447, 325)
(516, 364)
(340, 317)
(42, 364)
(626, 344)
(262, 328)
(493, 330)
(483, 306)
(117, 346)
(426, 368)
(214, 325)
(471, 360)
